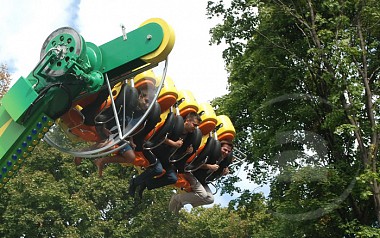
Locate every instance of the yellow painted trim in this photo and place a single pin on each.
(5, 126)
(167, 43)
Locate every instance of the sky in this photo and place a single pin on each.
(193, 64)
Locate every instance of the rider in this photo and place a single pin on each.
(126, 154)
(200, 192)
(148, 179)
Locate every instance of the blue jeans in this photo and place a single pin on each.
(170, 177)
(148, 177)
(125, 149)
(149, 173)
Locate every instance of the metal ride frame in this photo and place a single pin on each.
(71, 69)
(121, 136)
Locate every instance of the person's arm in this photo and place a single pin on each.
(172, 143)
(212, 167)
(225, 163)
(225, 171)
(189, 149)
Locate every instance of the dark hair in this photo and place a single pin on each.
(193, 116)
(226, 142)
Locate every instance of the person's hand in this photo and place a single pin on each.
(225, 171)
(213, 167)
(178, 143)
(106, 131)
(190, 149)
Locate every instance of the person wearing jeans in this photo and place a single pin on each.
(150, 178)
(200, 192)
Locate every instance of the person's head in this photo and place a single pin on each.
(192, 121)
(145, 98)
(226, 147)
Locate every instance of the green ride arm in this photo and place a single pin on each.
(70, 68)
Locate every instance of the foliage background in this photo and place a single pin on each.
(304, 91)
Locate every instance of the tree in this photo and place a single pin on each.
(5, 80)
(51, 197)
(303, 95)
(215, 222)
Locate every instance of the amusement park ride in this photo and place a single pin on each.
(78, 88)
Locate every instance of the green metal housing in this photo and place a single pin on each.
(70, 68)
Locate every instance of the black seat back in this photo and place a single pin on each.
(106, 118)
(202, 157)
(212, 176)
(161, 133)
(149, 124)
(180, 157)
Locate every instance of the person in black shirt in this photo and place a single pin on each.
(152, 177)
(126, 154)
(200, 192)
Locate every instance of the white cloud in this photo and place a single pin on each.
(193, 64)
(24, 27)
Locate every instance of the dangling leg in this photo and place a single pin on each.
(97, 145)
(77, 161)
(144, 177)
(126, 155)
(200, 195)
(101, 162)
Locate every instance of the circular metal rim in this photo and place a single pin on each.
(78, 48)
(103, 151)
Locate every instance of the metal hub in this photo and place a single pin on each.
(67, 44)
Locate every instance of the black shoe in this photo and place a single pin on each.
(141, 190)
(132, 188)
